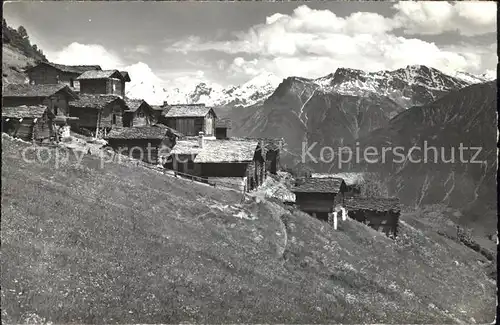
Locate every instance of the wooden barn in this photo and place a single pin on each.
(319, 196)
(134, 141)
(56, 97)
(30, 123)
(380, 213)
(51, 73)
(222, 127)
(111, 82)
(220, 160)
(98, 111)
(190, 119)
(138, 113)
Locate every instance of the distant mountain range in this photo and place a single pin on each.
(259, 88)
(341, 106)
(254, 91)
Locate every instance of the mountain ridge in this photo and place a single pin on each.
(257, 89)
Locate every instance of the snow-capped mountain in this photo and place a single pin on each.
(252, 92)
(475, 79)
(341, 106)
(412, 85)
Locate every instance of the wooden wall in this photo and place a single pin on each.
(315, 202)
(180, 163)
(87, 117)
(115, 87)
(44, 74)
(224, 170)
(192, 126)
(184, 125)
(106, 116)
(126, 147)
(99, 86)
(92, 118)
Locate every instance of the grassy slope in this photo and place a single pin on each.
(129, 245)
(13, 65)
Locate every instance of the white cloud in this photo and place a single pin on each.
(435, 17)
(249, 68)
(314, 43)
(86, 54)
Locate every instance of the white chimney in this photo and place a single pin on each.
(200, 139)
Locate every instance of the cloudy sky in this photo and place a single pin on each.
(177, 43)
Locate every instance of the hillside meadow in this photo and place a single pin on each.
(125, 244)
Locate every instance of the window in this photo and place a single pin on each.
(114, 87)
(71, 83)
(113, 119)
(55, 109)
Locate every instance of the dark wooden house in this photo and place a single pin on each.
(96, 112)
(222, 127)
(111, 82)
(319, 196)
(380, 213)
(30, 123)
(220, 161)
(190, 119)
(56, 97)
(138, 113)
(135, 141)
(52, 73)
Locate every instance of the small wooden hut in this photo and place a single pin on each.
(52, 73)
(111, 82)
(318, 196)
(30, 123)
(190, 119)
(138, 113)
(56, 97)
(216, 160)
(380, 213)
(135, 141)
(98, 111)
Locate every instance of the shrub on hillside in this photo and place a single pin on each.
(19, 39)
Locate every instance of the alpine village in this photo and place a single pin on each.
(146, 213)
(60, 99)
